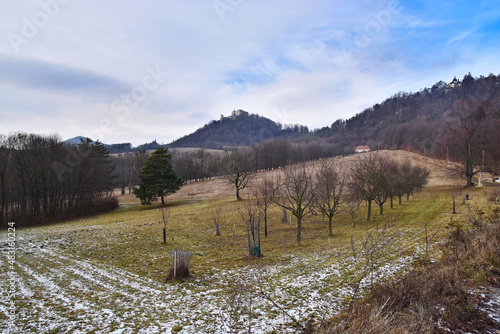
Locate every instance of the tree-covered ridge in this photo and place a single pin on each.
(243, 130)
(415, 120)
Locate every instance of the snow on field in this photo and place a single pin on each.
(58, 292)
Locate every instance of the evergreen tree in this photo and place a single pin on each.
(100, 174)
(157, 178)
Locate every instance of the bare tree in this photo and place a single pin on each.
(136, 162)
(365, 179)
(165, 215)
(217, 219)
(383, 165)
(467, 137)
(330, 180)
(251, 216)
(265, 192)
(296, 194)
(350, 205)
(237, 170)
(5, 171)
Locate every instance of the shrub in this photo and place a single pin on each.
(104, 204)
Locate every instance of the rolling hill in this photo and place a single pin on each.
(239, 129)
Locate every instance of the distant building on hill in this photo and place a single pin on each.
(454, 83)
(238, 112)
(235, 113)
(362, 148)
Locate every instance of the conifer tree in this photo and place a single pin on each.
(101, 175)
(157, 178)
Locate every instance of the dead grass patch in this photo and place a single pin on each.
(434, 296)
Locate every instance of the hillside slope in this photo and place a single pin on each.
(417, 120)
(405, 120)
(239, 129)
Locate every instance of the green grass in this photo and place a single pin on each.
(131, 238)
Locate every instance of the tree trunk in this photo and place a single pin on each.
(469, 180)
(369, 211)
(381, 208)
(299, 229)
(330, 227)
(238, 198)
(400, 199)
(162, 200)
(392, 202)
(265, 222)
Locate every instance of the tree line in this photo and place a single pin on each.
(43, 179)
(273, 153)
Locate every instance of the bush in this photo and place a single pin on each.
(104, 204)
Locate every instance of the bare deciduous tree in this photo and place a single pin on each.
(330, 180)
(237, 171)
(265, 192)
(251, 216)
(296, 194)
(351, 204)
(467, 136)
(165, 215)
(216, 216)
(365, 179)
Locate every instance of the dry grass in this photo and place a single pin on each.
(444, 300)
(219, 188)
(131, 238)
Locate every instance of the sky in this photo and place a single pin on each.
(137, 71)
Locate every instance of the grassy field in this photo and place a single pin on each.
(106, 273)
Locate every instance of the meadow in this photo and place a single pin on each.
(106, 273)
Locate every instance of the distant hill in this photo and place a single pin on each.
(75, 140)
(118, 148)
(238, 129)
(404, 120)
(414, 120)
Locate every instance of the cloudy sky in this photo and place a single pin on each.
(134, 71)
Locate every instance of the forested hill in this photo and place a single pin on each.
(415, 120)
(238, 129)
(405, 120)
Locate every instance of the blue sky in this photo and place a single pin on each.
(130, 71)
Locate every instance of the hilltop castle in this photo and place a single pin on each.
(455, 83)
(235, 113)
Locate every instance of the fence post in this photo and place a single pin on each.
(175, 263)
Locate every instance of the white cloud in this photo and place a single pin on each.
(293, 61)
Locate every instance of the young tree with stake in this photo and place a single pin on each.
(265, 192)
